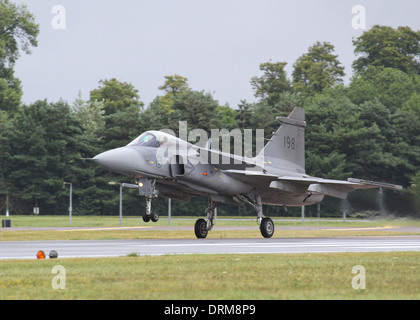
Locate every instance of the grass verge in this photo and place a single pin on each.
(109, 228)
(392, 275)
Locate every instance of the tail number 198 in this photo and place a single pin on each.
(289, 143)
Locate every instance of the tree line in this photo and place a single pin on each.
(368, 128)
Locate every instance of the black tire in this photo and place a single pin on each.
(146, 218)
(267, 227)
(200, 229)
(154, 216)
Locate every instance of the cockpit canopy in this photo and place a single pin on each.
(153, 139)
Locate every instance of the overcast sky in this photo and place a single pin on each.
(217, 44)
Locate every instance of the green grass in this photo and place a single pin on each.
(108, 228)
(207, 277)
(113, 221)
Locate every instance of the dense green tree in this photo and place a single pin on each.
(403, 142)
(272, 83)
(367, 141)
(316, 70)
(175, 84)
(227, 117)
(415, 191)
(332, 133)
(198, 108)
(10, 93)
(390, 86)
(336, 142)
(44, 154)
(244, 114)
(89, 177)
(374, 159)
(263, 115)
(18, 32)
(388, 47)
(90, 114)
(5, 131)
(122, 106)
(157, 115)
(117, 96)
(413, 104)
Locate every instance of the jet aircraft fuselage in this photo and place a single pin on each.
(164, 165)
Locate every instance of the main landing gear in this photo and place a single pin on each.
(265, 223)
(202, 227)
(267, 227)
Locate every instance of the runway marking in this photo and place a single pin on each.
(143, 227)
(106, 228)
(353, 245)
(111, 248)
(361, 229)
(358, 244)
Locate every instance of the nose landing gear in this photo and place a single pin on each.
(150, 214)
(147, 189)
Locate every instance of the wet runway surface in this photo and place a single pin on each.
(115, 248)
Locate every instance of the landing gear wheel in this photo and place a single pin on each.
(154, 216)
(200, 229)
(146, 218)
(267, 227)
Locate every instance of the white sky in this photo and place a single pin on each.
(217, 44)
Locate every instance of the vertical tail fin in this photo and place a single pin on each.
(286, 149)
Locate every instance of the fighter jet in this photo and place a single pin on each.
(166, 166)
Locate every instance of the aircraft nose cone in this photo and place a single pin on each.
(121, 160)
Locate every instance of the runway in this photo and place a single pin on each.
(116, 248)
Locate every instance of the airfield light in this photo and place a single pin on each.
(204, 173)
(40, 254)
(53, 254)
(141, 184)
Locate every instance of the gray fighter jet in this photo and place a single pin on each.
(166, 166)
